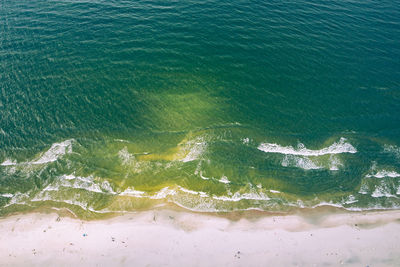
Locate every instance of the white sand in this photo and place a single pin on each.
(176, 238)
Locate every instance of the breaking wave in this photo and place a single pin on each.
(336, 148)
(300, 162)
(52, 154)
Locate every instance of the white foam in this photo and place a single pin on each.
(274, 191)
(252, 195)
(201, 194)
(78, 182)
(188, 191)
(199, 172)
(88, 184)
(18, 198)
(8, 162)
(299, 162)
(51, 188)
(336, 148)
(7, 195)
(163, 193)
(350, 199)
(384, 173)
(198, 168)
(56, 150)
(105, 210)
(121, 140)
(196, 148)
(107, 187)
(331, 204)
(130, 191)
(300, 203)
(203, 177)
(83, 205)
(364, 188)
(125, 156)
(131, 161)
(69, 177)
(47, 197)
(88, 187)
(382, 190)
(335, 163)
(392, 150)
(224, 180)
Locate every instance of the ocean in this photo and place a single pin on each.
(213, 106)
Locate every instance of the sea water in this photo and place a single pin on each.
(114, 106)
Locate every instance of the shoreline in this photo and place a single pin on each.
(173, 237)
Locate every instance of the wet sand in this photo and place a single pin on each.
(176, 238)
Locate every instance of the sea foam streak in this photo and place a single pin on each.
(336, 148)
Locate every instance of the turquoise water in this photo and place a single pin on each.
(110, 106)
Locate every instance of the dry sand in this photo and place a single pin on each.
(175, 238)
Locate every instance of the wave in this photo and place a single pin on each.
(300, 162)
(224, 180)
(163, 193)
(350, 200)
(7, 195)
(244, 196)
(8, 162)
(56, 150)
(305, 163)
(391, 149)
(201, 201)
(378, 188)
(131, 161)
(336, 148)
(194, 149)
(274, 191)
(335, 163)
(382, 190)
(18, 198)
(52, 154)
(130, 191)
(83, 205)
(200, 193)
(78, 182)
(384, 173)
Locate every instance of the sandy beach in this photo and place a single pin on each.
(169, 237)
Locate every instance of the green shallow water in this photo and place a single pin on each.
(110, 106)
